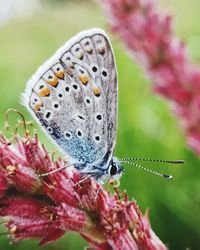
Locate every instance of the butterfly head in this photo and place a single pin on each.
(115, 169)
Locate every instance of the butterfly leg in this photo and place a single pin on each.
(101, 184)
(97, 193)
(82, 180)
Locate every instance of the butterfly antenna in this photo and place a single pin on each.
(147, 169)
(153, 160)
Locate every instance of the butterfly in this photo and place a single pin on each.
(74, 97)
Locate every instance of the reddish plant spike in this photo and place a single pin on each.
(149, 38)
(50, 206)
(3, 183)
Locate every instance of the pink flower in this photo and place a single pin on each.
(149, 38)
(47, 207)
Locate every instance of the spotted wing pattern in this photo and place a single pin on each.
(74, 97)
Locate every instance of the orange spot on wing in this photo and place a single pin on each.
(60, 74)
(84, 79)
(37, 106)
(44, 92)
(53, 82)
(96, 91)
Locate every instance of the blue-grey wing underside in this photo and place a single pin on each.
(74, 97)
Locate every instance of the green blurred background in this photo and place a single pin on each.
(147, 127)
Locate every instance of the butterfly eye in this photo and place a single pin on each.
(113, 169)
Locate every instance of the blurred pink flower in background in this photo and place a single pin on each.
(149, 38)
(47, 207)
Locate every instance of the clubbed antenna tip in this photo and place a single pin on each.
(178, 162)
(168, 176)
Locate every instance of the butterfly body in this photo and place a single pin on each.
(73, 96)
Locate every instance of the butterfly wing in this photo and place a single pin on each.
(74, 97)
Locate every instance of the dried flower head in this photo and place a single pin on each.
(148, 35)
